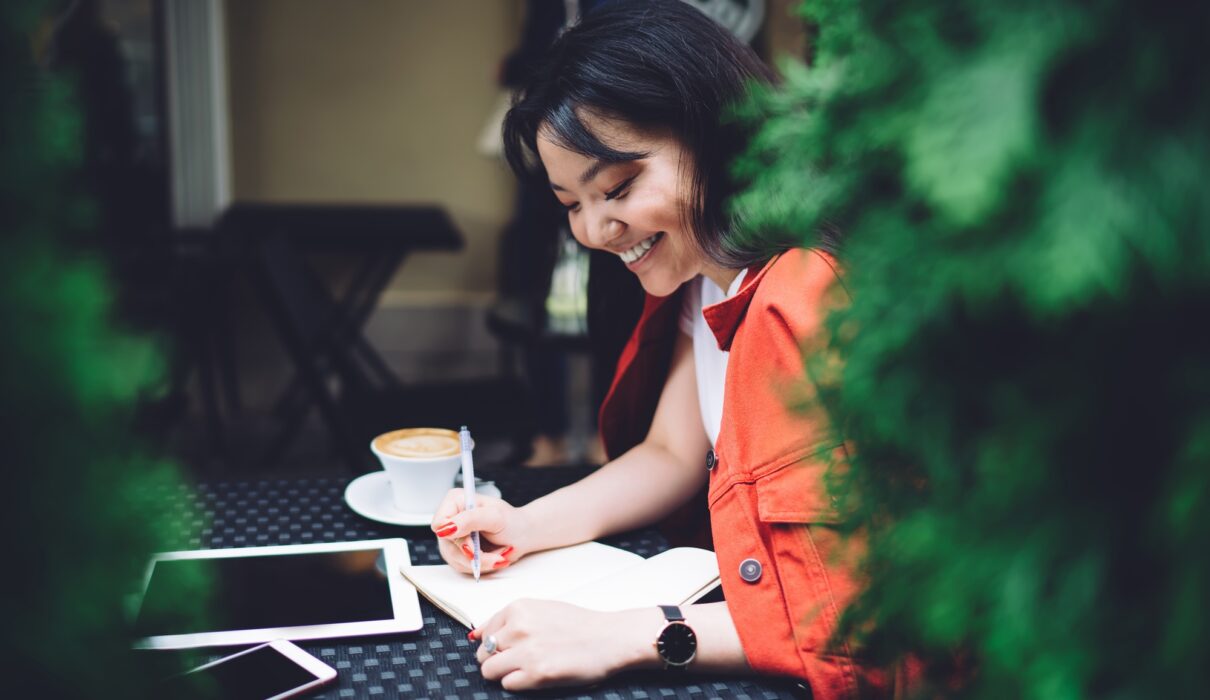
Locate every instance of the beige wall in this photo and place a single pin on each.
(383, 101)
(376, 101)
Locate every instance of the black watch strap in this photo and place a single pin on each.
(672, 613)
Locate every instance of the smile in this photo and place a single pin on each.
(639, 251)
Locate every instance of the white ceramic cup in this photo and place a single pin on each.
(418, 483)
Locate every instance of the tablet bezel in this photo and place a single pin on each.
(404, 601)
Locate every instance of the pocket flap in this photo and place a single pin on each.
(796, 493)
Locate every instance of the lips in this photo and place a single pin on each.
(639, 251)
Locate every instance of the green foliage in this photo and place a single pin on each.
(1025, 366)
(77, 520)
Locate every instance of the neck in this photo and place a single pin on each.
(722, 276)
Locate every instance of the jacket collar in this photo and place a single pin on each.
(725, 316)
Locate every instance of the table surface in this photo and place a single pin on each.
(437, 661)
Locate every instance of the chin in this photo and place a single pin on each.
(661, 286)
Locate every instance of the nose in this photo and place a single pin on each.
(602, 230)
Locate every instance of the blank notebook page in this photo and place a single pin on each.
(545, 575)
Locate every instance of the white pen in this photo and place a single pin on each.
(468, 486)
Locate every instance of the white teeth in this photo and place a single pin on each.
(639, 250)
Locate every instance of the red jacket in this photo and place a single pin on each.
(768, 507)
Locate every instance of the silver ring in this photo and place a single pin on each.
(489, 644)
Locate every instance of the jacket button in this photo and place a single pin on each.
(711, 460)
(750, 570)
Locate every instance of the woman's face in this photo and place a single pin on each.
(635, 210)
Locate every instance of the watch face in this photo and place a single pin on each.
(677, 644)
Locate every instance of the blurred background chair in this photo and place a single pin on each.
(336, 370)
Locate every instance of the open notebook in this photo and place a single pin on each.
(591, 575)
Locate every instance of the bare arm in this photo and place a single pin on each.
(718, 645)
(642, 485)
(636, 489)
(546, 643)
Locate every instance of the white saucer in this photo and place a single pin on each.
(370, 497)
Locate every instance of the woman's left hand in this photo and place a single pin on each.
(542, 643)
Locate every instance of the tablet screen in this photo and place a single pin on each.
(186, 596)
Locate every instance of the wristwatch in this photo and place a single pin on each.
(677, 643)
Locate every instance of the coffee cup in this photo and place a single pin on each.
(420, 464)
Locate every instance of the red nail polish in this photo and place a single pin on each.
(507, 551)
(470, 636)
(501, 564)
(447, 530)
(467, 551)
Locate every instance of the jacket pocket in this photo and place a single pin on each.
(815, 566)
(796, 493)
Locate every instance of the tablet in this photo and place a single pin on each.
(251, 595)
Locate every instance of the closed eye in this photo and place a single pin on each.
(620, 190)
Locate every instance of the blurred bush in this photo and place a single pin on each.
(1025, 365)
(77, 516)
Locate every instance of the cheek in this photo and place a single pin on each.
(576, 224)
(655, 214)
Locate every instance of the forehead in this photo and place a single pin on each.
(614, 134)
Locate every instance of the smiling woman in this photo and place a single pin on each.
(635, 208)
(640, 75)
(627, 117)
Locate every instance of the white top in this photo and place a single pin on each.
(709, 362)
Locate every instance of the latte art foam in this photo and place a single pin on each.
(419, 443)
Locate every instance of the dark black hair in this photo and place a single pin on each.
(657, 65)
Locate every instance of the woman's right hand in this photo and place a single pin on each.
(502, 530)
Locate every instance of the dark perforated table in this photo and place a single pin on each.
(437, 661)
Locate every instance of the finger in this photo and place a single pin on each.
(496, 666)
(465, 545)
(494, 624)
(454, 556)
(494, 627)
(496, 559)
(451, 505)
(459, 556)
(481, 652)
(517, 679)
(488, 520)
(454, 502)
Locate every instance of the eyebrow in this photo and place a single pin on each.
(589, 173)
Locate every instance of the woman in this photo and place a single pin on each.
(626, 118)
